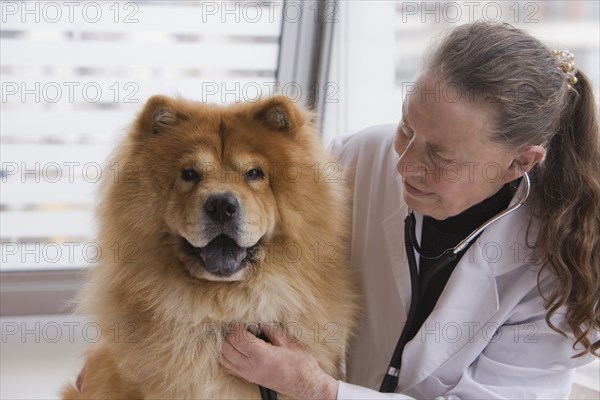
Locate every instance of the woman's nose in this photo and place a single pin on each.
(411, 161)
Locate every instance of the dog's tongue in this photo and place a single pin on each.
(222, 255)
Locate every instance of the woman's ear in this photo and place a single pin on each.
(529, 156)
(526, 158)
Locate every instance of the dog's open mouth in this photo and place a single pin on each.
(222, 256)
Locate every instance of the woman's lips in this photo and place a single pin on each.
(413, 191)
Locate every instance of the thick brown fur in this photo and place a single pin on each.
(162, 317)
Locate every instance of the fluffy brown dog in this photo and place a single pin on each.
(215, 215)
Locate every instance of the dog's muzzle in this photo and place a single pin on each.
(222, 256)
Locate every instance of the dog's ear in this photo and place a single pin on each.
(279, 113)
(160, 113)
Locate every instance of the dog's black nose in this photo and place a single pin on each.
(221, 207)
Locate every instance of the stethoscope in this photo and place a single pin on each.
(390, 380)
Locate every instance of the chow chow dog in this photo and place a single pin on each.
(215, 215)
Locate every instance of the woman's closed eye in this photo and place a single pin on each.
(441, 159)
(436, 156)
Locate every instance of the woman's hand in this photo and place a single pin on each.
(282, 365)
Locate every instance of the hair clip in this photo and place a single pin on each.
(566, 62)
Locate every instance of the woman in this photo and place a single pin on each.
(518, 309)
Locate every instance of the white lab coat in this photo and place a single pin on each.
(485, 339)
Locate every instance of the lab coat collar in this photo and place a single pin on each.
(470, 297)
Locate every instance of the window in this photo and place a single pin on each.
(378, 46)
(73, 76)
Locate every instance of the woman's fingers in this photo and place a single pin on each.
(230, 360)
(240, 339)
(241, 351)
(232, 354)
(276, 334)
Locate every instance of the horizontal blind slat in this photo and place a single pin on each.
(42, 255)
(70, 92)
(218, 56)
(59, 124)
(46, 224)
(58, 153)
(66, 189)
(208, 19)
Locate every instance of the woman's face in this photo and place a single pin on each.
(447, 162)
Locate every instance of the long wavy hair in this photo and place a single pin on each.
(537, 105)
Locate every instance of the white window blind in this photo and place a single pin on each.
(378, 46)
(74, 74)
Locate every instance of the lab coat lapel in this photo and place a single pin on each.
(393, 227)
(468, 301)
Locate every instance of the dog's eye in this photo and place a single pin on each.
(254, 174)
(190, 175)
